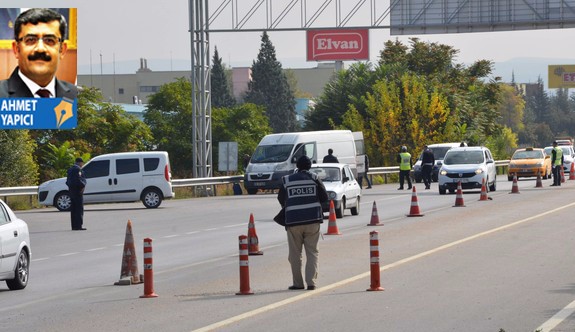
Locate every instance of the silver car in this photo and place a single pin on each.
(472, 166)
(14, 249)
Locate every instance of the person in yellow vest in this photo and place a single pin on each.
(557, 164)
(404, 160)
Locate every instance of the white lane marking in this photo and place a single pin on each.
(557, 318)
(236, 225)
(320, 290)
(170, 236)
(40, 259)
(68, 254)
(194, 232)
(210, 229)
(95, 249)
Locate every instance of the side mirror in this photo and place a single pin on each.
(345, 179)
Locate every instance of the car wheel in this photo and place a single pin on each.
(442, 191)
(493, 186)
(252, 191)
(21, 272)
(151, 198)
(355, 209)
(63, 201)
(339, 212)
(451, 191)
(509, 178)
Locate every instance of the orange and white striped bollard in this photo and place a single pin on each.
(244, 267)
(374, 261)
(148, 270)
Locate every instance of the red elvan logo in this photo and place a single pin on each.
(331, 45)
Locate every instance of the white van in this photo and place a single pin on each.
(276, 155)
(117, 177)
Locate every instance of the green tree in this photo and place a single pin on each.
(269, 87)
(511, 108)
(17, 163)
(169, 116)
(220, 87)
(57, 159)
(245, 124)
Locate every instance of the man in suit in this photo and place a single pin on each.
(39, 45)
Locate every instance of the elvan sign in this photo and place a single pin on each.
(332, 45)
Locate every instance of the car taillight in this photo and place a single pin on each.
(167, 172)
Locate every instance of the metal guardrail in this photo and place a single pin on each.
(178, 183)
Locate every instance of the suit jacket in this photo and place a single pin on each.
(14, 87)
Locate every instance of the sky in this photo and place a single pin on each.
(118, 33)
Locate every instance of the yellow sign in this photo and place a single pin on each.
(561, 76)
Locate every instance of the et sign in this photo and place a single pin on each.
(337, 45)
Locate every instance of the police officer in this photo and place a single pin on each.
(302, 195)
(427, 162)
(557, 164)
(76, 182)
(404, 160)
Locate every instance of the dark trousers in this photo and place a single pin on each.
(360, 180)
(557, 175)
(426, 174)
(77, 210)
(403, 175)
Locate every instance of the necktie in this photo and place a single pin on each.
(44, 93)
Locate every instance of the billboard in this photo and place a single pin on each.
(337, 45)
(561, 76)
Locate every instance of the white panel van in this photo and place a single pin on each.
(276, 155)
(116, 177)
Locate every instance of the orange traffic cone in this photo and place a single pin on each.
(562, 175)
(129, 274)
(515, 187)
(483, 196)
(572, 172)
(538, 183)
(374, 217)
(253, 242)
(332, 225)
(459, 196)
(414, 209)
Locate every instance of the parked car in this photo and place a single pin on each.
(439, 151)
(116, 177)
(342, 187)
(15, 254)
(529, 162)
(568, 156)
(472, 166)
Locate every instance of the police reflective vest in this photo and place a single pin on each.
(302, 202)
(405, 163)
(558, 155)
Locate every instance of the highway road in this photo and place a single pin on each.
(505, 263)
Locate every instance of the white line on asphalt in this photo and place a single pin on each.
(557, 318)
(68, 254)
(95, 249)
(170, 236)
(344, 282)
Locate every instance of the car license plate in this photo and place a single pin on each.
(462, 180)
(259, 184)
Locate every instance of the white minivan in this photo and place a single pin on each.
(117, 177)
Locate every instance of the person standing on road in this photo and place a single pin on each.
(76, 182)
(427, 162)
(557, 164)
(301, 196)
(404, 160)
(364, 174)
(330, 158)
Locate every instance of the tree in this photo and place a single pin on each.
(220, 87)
(169, 115)
(17, 164)
(245, 124)
(269, 87)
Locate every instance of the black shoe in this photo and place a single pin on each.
(408, 188)
(553, 185)
(295, 287)
(400, 188)
(79, 229)
(310, 287)
(368, 187)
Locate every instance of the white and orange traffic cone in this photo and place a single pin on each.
(148, 270)
(332, 224)
(244, 267)
(253, 242)
(483, 196)
(572, 172)
(414, 209)
(374, 262)
(129, 274)
(538, 183)
(459, 196)
(515, 187)
(374, 217)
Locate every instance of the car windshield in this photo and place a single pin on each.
(463, 157)
(271, 153)
(439, 152)
(527, 155)
(327, 174)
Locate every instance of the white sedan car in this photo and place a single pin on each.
(14, 249)
(470, 166)
(342, 187)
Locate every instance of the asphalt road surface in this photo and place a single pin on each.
(505, 263)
